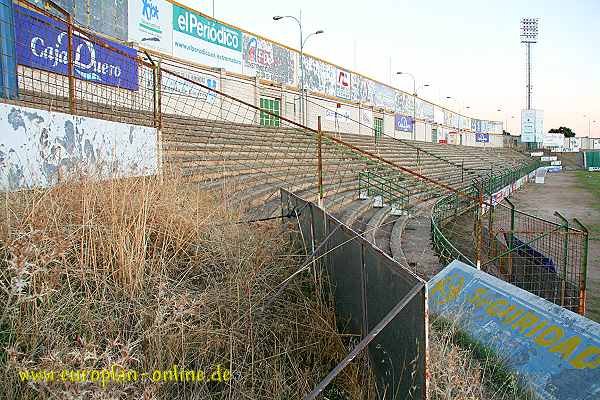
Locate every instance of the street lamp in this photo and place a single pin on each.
(589, 124)
(302, 43)
(503, 115)
(414, 100)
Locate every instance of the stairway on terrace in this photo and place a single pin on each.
(251, 163)
(254, 161)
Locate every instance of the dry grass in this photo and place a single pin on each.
(463, 370)
(146, 275)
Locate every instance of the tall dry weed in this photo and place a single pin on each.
(145, 275)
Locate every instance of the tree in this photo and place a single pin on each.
(567, 132)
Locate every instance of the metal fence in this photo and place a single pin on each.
(206, 135)
(548, 259)
(377, 301)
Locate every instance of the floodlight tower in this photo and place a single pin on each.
(529, 35)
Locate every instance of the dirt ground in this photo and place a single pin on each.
(563, 192)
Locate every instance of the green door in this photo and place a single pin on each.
(434, 135)
(272, 106)
(378, 127)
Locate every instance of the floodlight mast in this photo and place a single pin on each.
(529, 35)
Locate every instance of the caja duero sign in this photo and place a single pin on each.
(403, 123)
(42, 43)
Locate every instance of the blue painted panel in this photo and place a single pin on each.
(555, 351)
(42, 44)
(8, 63)
(534, 257)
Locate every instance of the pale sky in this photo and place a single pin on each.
(467, 49)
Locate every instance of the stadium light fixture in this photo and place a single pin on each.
(529, 36)
(529, 30)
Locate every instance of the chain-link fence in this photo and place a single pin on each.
(210, 137)
(548, 259)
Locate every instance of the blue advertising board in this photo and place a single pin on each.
(554, 352)
(482, 137)
(42, 44)
(403, 123)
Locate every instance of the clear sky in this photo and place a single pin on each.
(467, 49)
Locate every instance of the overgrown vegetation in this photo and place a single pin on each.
(145, 276)
(463, 369)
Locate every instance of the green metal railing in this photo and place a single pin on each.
(546, 258)
(390, 186)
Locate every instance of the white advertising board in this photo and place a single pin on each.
(537, 154)
(528, 126)
(150, 24)
(549, 158)
(205, 41)
(532, 126)
(553, 140)
(539, 126)
(338, 115)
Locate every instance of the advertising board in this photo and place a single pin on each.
(553, 350)
(528, 126)
(267, 60)
(42, 43)
(343, 88)
(339, 115)
(205, 41)
(549, 158)
(403, 123)
(150, 24)
(553, 140)
(482, 137)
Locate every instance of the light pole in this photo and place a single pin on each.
(302, 43)
(503, 116)
(589, 124)
(414, 100)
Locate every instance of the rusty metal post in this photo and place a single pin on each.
(320, 161)
(584, 262)
(565, 225)
(479, 226)
(511, 236)
(70, 74)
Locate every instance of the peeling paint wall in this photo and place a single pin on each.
(38, 148)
